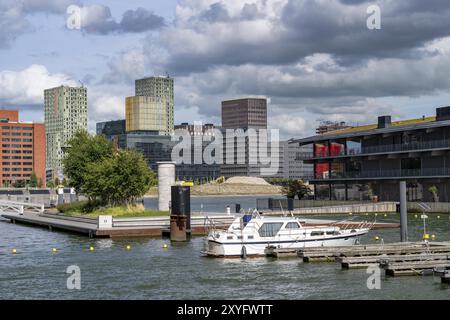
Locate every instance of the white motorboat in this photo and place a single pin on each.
(251, 235)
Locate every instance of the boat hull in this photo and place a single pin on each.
(257, 248)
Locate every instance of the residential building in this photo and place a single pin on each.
(65, 110)
(369, 161)
(146, 113)
(156, 109)
(22, 149)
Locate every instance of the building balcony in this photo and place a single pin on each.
(386, 174)
(381, 149)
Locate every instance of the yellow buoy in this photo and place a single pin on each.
(128, 247)
(377, 238)
(165, 246)
(433, 237)
(438, 217)
(54, 250)
(91, 248)
(385, 215)
(415, 216)
(376, 214)
(14, 251)
(350, 213)
(426, 236)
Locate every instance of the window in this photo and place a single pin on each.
(292, 225)
(270, 229)
(316, 233)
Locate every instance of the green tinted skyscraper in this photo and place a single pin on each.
(65, 111)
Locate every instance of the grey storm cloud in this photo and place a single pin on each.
(98, 19)
(306, 27)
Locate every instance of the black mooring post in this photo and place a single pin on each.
(403, 213)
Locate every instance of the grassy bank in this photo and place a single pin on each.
(87, 209)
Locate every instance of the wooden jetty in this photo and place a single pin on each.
(397, 259)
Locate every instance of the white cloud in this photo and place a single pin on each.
(27, 86)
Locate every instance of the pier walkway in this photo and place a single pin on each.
(145, 226)
(119, 227)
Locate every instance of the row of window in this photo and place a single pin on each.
(16, 140)
(17, 169)
(17, 145)
(17, 163)
(16, 128)
(17, 151)
(17, 157)
(17, 134)
(7, 175)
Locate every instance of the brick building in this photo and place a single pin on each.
(22, 149)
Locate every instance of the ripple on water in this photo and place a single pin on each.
(149, 271)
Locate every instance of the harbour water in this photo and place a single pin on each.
(150, 271)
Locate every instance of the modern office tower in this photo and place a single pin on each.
(161, 90)
(290, 165)
(113, 131)
(65, 113)
(368, 162)
(244, 113)
(148, 113)
(23, 150)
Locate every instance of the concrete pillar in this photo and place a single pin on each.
(403, 213)
(166, 178)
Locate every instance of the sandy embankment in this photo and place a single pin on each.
(236, 186)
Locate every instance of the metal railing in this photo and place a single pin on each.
(426, 172)
(423, 145)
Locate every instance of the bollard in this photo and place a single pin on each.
(180, 218)
(238, 207)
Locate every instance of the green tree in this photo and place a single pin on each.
(119, 180)
(84, 149)
(296, 188)
(33, 180)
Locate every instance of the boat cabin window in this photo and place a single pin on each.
(316, 233)
(250, 237)
(270, 229)
(333, 233)
(292, 225)
(230, 238)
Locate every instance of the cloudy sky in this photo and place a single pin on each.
(314, 60)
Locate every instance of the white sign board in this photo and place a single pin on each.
(104, 222)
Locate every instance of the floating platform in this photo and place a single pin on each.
(397, 259)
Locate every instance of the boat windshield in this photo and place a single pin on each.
(269, 229)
